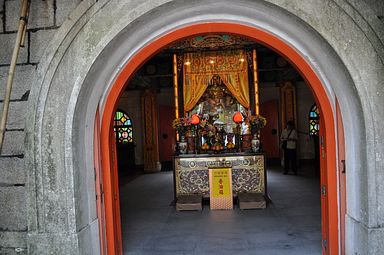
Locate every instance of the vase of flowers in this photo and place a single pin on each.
(182, 145)
(256, 123)
(255, 143)
(182, 126)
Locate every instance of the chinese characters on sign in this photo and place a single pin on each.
(220, 184)
(221, 188)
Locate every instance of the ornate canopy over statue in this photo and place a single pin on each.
(215, 87)
(200, 67)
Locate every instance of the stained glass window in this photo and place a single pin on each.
(314, 117)
(122, 126)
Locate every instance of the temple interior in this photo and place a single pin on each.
(217, 102)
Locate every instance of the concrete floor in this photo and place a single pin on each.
(290, 225)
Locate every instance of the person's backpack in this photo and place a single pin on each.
(284, 144)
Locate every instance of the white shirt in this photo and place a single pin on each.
(291, 144)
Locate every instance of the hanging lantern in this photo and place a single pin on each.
(195, 119)
(238, 117)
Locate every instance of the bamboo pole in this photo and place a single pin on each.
(20, 34)
(22, 42)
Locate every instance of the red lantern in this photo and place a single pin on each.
(195, 119)
(238, 117)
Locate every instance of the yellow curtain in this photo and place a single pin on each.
(200, 67)
(196, 77)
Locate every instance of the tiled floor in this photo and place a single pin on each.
(290, 225)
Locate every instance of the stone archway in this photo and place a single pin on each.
(62, 212)
(328, 164)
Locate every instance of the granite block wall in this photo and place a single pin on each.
(44, 20)
(46, 17)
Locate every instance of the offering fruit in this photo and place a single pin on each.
(205, 146)
(217, 147)
(230, 145)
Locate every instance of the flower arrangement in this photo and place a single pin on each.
(206, 128)
(182, 125)
(256, 123)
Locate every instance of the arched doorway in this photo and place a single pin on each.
(73, 78)
(328, 148)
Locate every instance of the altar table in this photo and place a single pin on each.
(191, 172)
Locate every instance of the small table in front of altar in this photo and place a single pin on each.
(191, 173)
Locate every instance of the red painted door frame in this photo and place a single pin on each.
(342, 177)
(110, 183)
(328, 166)
(99, 185)
(323, 185)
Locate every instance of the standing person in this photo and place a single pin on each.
(288, 140)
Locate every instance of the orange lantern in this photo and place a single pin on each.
(238, 117)
(195, 119)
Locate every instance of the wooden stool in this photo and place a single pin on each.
(189, 203)
(251, 201)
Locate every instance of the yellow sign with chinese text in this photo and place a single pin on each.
(220, 180)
